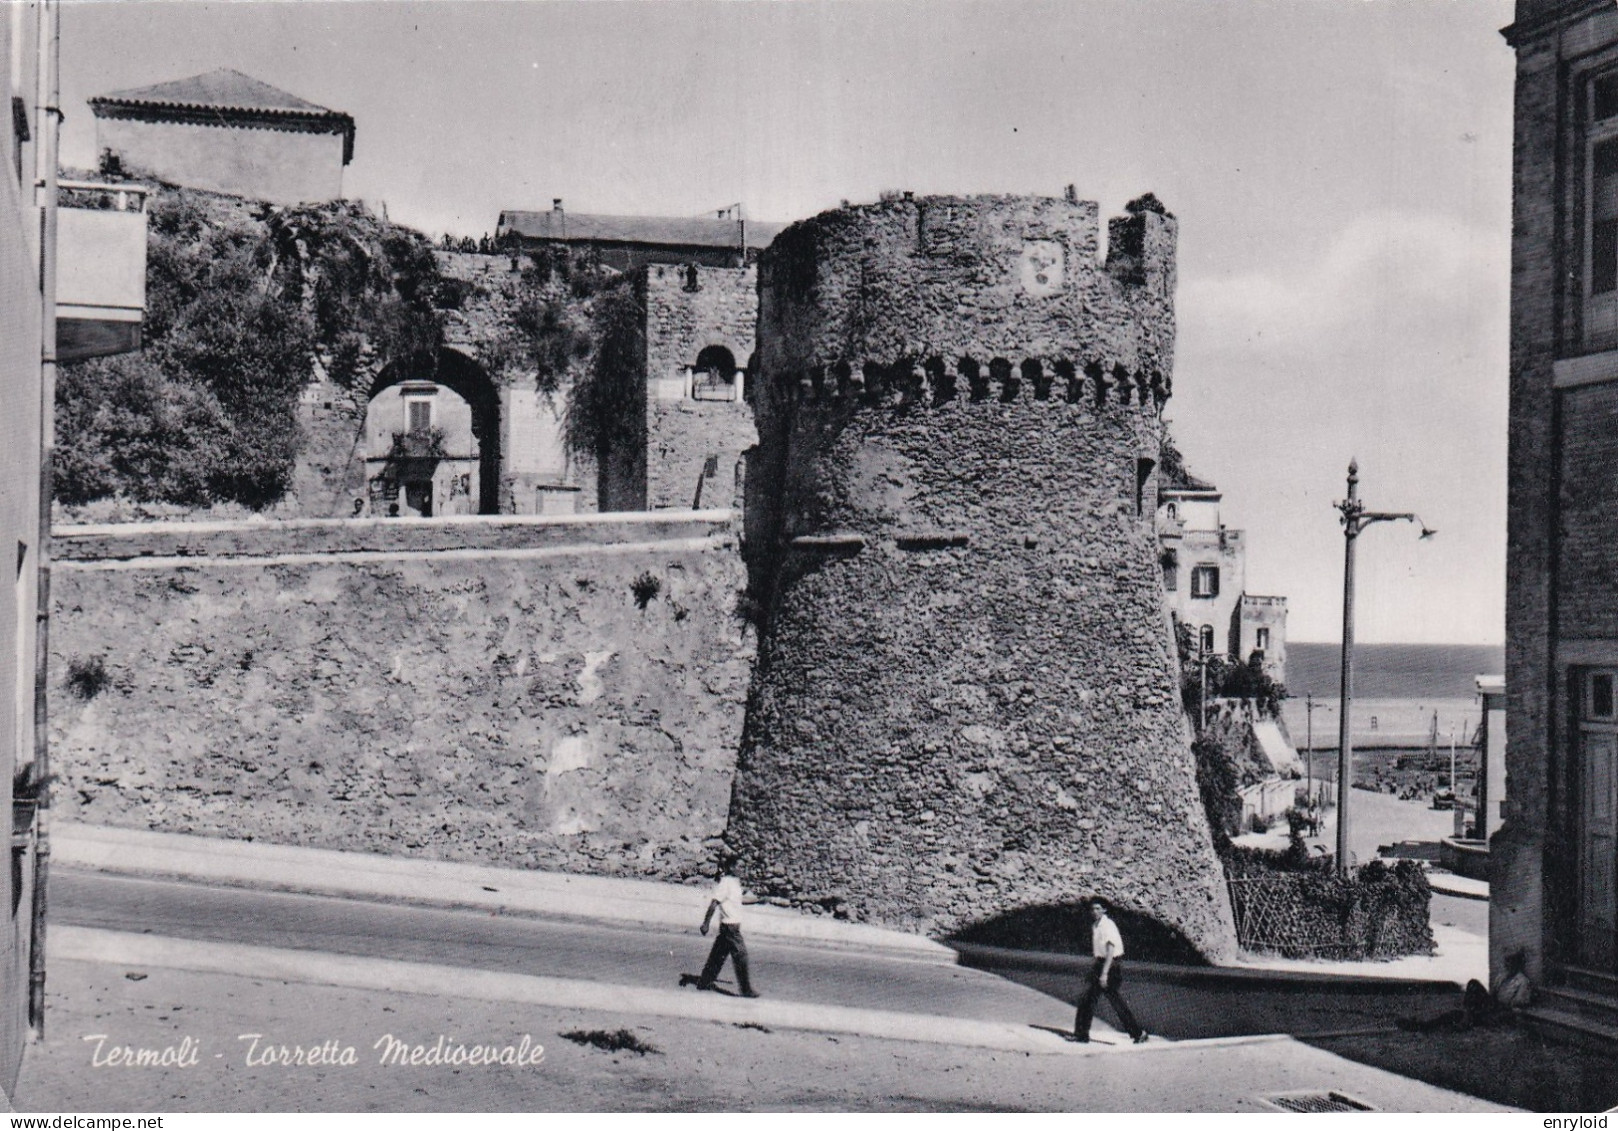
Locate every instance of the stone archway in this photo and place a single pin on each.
(431, 439)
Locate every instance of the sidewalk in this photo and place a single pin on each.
(434, 883)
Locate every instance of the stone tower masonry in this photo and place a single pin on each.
(966, 700)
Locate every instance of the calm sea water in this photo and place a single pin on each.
(1394, 671)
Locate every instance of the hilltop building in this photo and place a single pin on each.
(629, 242)
(227, 132)
(1205, 576)
(1554, 861)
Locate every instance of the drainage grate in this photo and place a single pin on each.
(1316, 1101)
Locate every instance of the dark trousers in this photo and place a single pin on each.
(728, 944)
(1092, 994)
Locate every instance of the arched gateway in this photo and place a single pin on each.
(430, 444)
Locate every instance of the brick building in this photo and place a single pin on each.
(227, 132)
(1554, 861)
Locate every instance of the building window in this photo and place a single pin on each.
(1261, 640)
(1205, 581)
(1598, 702)
(713, 377)
(1205, 640)
(419, 415)
(1171, 570)
(1601, 216)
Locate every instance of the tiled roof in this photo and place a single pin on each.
(223, 89)
(701, 231)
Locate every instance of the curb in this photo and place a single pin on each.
(1443, 886)
(450, 885)
(1241, 977)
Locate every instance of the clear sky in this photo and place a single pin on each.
(1341, 170)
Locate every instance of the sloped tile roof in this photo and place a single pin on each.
(223, 89)
(665, 230)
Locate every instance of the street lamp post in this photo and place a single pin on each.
(1355, 518)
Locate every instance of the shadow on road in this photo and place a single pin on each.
(1064, 928)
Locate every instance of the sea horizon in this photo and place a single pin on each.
(1393, 671)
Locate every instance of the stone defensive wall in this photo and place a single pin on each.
(966, 704)
(561, 693)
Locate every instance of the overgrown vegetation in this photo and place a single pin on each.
(1219, 783)
(551, 331)
(1292, 903)
(87, 676)
(1226, 679)
(606, 411)
(645, 588)
(242, 298)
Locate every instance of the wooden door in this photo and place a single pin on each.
(419, 498)
(1597, 917)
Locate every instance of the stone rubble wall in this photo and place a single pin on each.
(566, 696)
(966, 703)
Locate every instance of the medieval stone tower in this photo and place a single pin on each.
(966, 700)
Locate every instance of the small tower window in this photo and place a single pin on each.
(1261, 640)
(1205, 581)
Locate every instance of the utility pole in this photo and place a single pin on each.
(1202, 695)
(1310, 706)
(1355, 518)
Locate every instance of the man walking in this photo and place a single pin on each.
(1105, 976)
(727, 901)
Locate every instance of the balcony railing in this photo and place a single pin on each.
(100, 268)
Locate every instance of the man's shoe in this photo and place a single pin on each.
(1140, 1038)
(749, 993)
(688, 980)
(1076, 1039)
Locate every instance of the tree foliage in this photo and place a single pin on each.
(551, 332)
(241, 299)
(607, 408)
(1227, 679)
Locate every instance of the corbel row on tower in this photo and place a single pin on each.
(913, 381)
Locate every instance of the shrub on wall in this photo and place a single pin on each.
(1293, 904)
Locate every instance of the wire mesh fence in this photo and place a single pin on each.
(1303, 915)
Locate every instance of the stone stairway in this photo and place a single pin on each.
(1583, 1009)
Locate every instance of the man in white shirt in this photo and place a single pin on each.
(726, 899)
(1105, 976)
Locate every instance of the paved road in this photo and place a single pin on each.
(589, 952)
(1469, 915)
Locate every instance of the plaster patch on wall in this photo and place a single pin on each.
(590, 685)
(1042, 267)
(573, 752)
